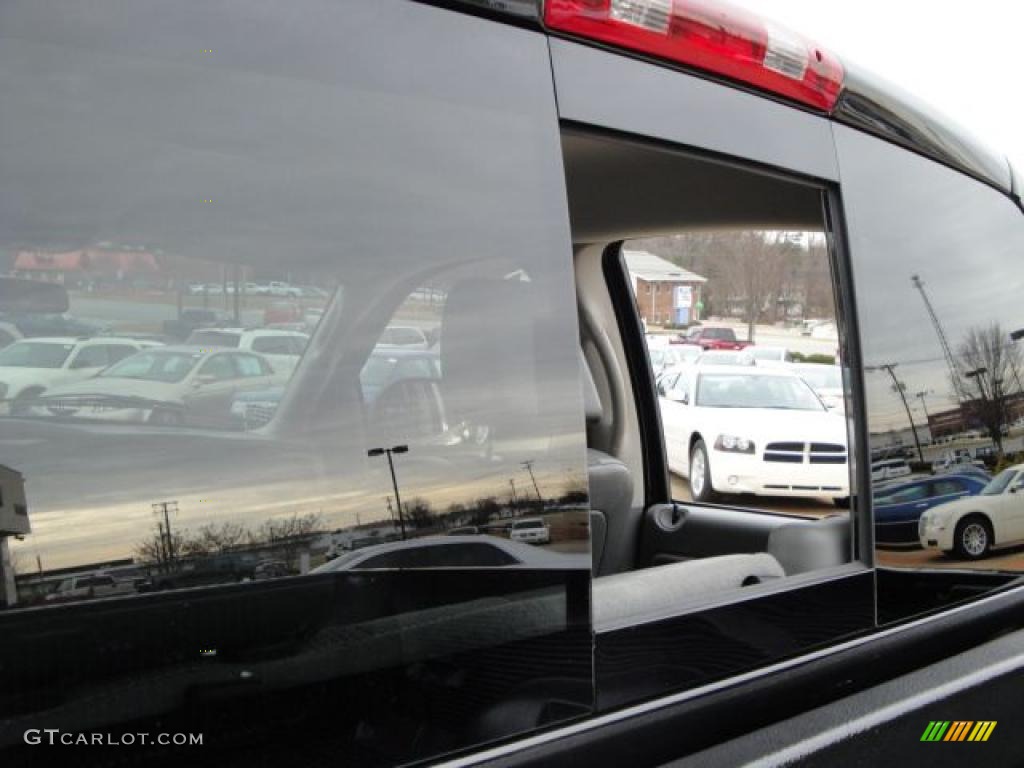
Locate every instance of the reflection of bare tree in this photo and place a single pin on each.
(211, 539)
(420, 513)
(154, 548)
(989, 363)
(287, 535)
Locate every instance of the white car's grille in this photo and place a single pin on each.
(803, 453)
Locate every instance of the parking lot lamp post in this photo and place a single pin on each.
(394, 482)
(900, 388)
(1016, 336)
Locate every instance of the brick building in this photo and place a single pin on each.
(665, 292)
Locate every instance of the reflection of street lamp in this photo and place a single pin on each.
(1016, 336)
(394, 482)
(979, 373)
(900, 389)
(165, 508)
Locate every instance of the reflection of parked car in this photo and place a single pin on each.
(888, 469)
(972, 526)
(90, 585)
(8, 333)
(386, 366)
(190, 320)
(403, 336)
(282, 312)
(32, 324)
(473, 551)
(31, 366)
(898, 507)
(735, 429)
(282, 348)
(270, 569)
(532, 530)
(167, 386)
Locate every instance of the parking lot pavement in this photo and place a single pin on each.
(1004, 560)
(807, 507)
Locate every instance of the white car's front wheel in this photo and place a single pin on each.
(700, 473)
(973, 538)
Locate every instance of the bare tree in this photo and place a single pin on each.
(988, 363)
(211, 538)
(288, 534)
(419, 512)
(154, 549)
(754, 270)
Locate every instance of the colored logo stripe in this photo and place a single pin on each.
(982, 730)
(958, 730)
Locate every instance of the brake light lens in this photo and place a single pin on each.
(711, 36)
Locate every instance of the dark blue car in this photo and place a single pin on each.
(898, 507)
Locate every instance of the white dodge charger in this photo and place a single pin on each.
(732, 429)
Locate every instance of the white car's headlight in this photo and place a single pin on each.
(936, 519)
(733, 444)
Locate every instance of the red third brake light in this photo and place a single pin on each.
(708, 35)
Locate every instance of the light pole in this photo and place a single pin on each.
(979, 374)
(528, 465)
(394, 482)
(900, 388)
(1016, 336)
(165, 508)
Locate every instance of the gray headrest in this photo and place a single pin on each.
(592, 407)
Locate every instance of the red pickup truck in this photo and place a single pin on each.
(712, 338)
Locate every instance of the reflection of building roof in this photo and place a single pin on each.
(88, 259)
(653, 269)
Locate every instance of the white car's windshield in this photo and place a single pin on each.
(725, 390)
(35, 354)
(999, 483)
(169, 367)
(822, 376)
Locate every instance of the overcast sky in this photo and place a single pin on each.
(962, 58)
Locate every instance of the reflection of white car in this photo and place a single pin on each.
(282, 348)
(532, 530)
(889, 469)
(90, 585)
(403, 336)
(736, 429)
(480, 551)
(168, 386)
(973, 525)
(31, 366)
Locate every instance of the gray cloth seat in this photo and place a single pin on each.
(613, 529)
(667, 590)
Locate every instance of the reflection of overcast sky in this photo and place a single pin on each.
(907, 216)
(116, 127)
